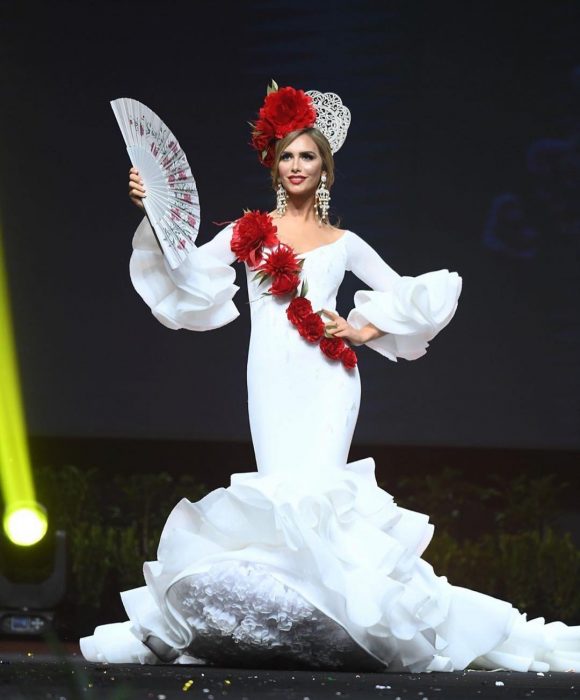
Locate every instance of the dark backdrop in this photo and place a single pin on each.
(462, 154)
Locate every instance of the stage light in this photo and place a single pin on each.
(25, 524)
(15, 473)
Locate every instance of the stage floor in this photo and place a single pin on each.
(44, 677)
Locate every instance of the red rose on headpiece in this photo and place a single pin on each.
(333, 347)
(312, 328)
(284, 110)
(284, 269)
(252, 232)
(287, 109)
(348, 358)
(298, 309)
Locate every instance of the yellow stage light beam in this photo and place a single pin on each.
(25, 520)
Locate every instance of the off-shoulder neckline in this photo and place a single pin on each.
(324, 245)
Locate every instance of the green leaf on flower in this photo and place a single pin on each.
(305, 288)
(273, 87)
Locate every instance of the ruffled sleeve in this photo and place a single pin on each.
(410, 311)
(198, 294)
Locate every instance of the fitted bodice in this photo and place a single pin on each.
(288, 378)
(323, 270)
(302, 405)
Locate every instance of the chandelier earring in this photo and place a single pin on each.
(322, 200)
(281, 199)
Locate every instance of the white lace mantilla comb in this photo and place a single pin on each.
(172, 203)
(332, 117)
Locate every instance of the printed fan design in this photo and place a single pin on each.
(172, 203)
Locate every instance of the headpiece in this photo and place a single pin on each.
(287, 109)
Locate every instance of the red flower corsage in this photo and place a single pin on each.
(284, 110)
(312, 328)
(333, 347)
(283, 268)
(348, 358)
(255, 231)
(252, 232)
(298, 309)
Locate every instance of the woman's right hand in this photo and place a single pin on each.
(136, 188)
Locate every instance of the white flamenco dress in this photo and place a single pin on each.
(307, 562)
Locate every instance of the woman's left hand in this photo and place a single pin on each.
(339, 327)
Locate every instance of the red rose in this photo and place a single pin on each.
(287, 109)
(284, 110)
(333, 347)
(311, 328)
(348, 358)
(298, 309)
(252, 232)
(284, 284)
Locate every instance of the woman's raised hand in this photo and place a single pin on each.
(136, 188)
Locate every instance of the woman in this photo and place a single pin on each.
(307, 561)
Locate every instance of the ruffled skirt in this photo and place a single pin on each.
(269, 571)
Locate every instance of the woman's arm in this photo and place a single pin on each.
(399, 315)
(198, 294)
(371, 269)
(218, 247)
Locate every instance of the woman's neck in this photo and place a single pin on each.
(300, 208)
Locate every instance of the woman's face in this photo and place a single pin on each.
(300, 166)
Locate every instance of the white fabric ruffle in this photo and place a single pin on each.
(411, 314)
(116, 643)
(343, 545)
(536, 646)
(196, 296)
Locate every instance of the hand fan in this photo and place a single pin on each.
(172, 203)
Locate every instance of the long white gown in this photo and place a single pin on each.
(307, 561)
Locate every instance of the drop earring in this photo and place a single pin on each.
(322, 200)
(281, 198)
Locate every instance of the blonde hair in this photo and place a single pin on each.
(323, 147)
